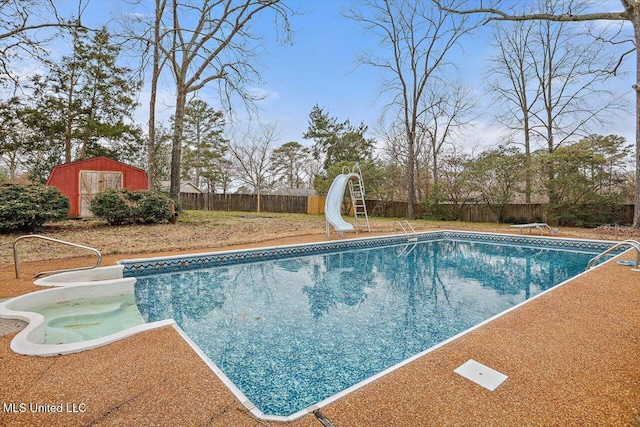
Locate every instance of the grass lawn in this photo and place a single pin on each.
(211, 229)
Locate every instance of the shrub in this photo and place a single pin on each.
(436, 206)
(120, 206)
(114, 206)
(589, 215)
(28, 207)
(152, 207)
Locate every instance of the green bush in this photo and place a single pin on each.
(153, 207)
(591, 215)
(436, 208)
(28, 207)
(114, 206)
(120, 206)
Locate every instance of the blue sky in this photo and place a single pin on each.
(321, 67)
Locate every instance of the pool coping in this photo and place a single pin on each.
(173, 263)
(242, 255)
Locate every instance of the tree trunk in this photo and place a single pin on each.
(13, 166)
(155, 74)
(636, 199)
(527, 160)
(151, 146)
(176, 152)
(87, 135)
(69, 123)
(435, 166)
(411, 184)
(527, 138)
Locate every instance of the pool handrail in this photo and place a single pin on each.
(410, 237)
(634, 245)
(51, 239)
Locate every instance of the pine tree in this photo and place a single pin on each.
(336, 142)
(204, 146)
(91, 99)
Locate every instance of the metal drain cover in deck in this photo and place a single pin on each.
(481, 374)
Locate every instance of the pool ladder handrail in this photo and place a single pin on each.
(633, 243)
(413, 237)
(51, 239)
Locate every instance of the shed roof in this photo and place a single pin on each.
(90, 163)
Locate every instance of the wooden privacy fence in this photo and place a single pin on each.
(315, 205)
(530, 212)
(517, 213)
(243, 202)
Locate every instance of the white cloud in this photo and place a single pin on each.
(264, 94)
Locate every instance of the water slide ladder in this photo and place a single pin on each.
(333, 202)
(356, 189)
(632, 243)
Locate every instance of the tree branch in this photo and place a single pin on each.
(500, 15)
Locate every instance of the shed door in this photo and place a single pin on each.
(92, 183)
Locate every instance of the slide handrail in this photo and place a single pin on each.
(335, 195)
(51, 239)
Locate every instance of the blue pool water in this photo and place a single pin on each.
(292, 332)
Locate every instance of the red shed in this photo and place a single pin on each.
(80, 181)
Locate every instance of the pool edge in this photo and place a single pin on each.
(257, 413)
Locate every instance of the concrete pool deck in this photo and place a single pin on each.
(572, 357)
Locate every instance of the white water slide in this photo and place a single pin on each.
(333, 203)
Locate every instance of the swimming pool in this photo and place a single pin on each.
(293, 328)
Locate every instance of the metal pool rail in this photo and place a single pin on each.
(37, 236)
(633, 243)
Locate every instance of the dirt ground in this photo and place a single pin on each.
(199, 230)
(206, 231)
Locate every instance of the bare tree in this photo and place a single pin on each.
(454, 182)
(26, 26)
(554, 88)
(572, 78)
(630, 13)
(414, 39)
(156, 68)
(448, 112)
(512, 84)
(145, 34)
(251, 152)
(395, 155)
(218, 45)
